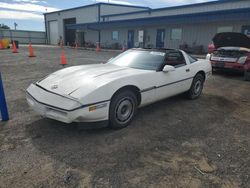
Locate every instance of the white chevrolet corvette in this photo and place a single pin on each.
(113, 91)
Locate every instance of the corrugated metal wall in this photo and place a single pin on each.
(83, 15)
(87, 14)
(199, 34)
(183, 10)
(24, 37)
(116, 9)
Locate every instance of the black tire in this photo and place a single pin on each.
(196, 88)
(122, 109)
(247, 76)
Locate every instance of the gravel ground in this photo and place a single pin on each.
(172, 143)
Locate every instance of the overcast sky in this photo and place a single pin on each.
(28, 14)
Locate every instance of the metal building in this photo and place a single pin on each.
(190, 27)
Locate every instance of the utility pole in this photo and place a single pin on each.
(15, 25)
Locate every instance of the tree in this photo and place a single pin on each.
(3, 26)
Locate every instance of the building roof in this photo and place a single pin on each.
(98, 4)
(215, 16)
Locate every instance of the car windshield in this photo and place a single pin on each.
(139, 59)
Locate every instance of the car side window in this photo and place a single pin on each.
(175, 58)
(192, 59)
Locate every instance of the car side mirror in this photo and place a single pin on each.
(168, 68)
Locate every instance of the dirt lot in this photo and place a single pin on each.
(173, 143)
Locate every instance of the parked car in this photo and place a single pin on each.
(231, 52)
(113, 91)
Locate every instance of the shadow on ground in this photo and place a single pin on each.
(229, 74)
(163, 144)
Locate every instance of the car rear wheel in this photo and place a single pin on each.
(122, 109)
(247, 76)
(197, 86)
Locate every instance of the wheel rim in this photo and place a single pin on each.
(124, 110)
(197, 87)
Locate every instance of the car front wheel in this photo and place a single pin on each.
(196, 87)
(122, 109)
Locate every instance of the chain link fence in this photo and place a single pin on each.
(24, 37)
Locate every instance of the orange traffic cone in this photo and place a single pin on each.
(63, 59)
(98, 49)
(14, 49)
(31, 53)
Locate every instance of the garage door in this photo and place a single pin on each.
(53, 32)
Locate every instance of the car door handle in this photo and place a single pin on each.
(187, 70)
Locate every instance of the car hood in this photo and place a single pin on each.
(231, 39)
(68, 80)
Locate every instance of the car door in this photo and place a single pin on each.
(176, 81)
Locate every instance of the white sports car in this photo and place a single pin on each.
(113, 91)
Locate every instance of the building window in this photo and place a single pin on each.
(224, 29)
(176, 34)
(115, 35)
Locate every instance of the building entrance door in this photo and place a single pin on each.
(80, 38)
(131, 37)
(160, 38)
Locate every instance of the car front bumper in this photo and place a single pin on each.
(64, 109)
